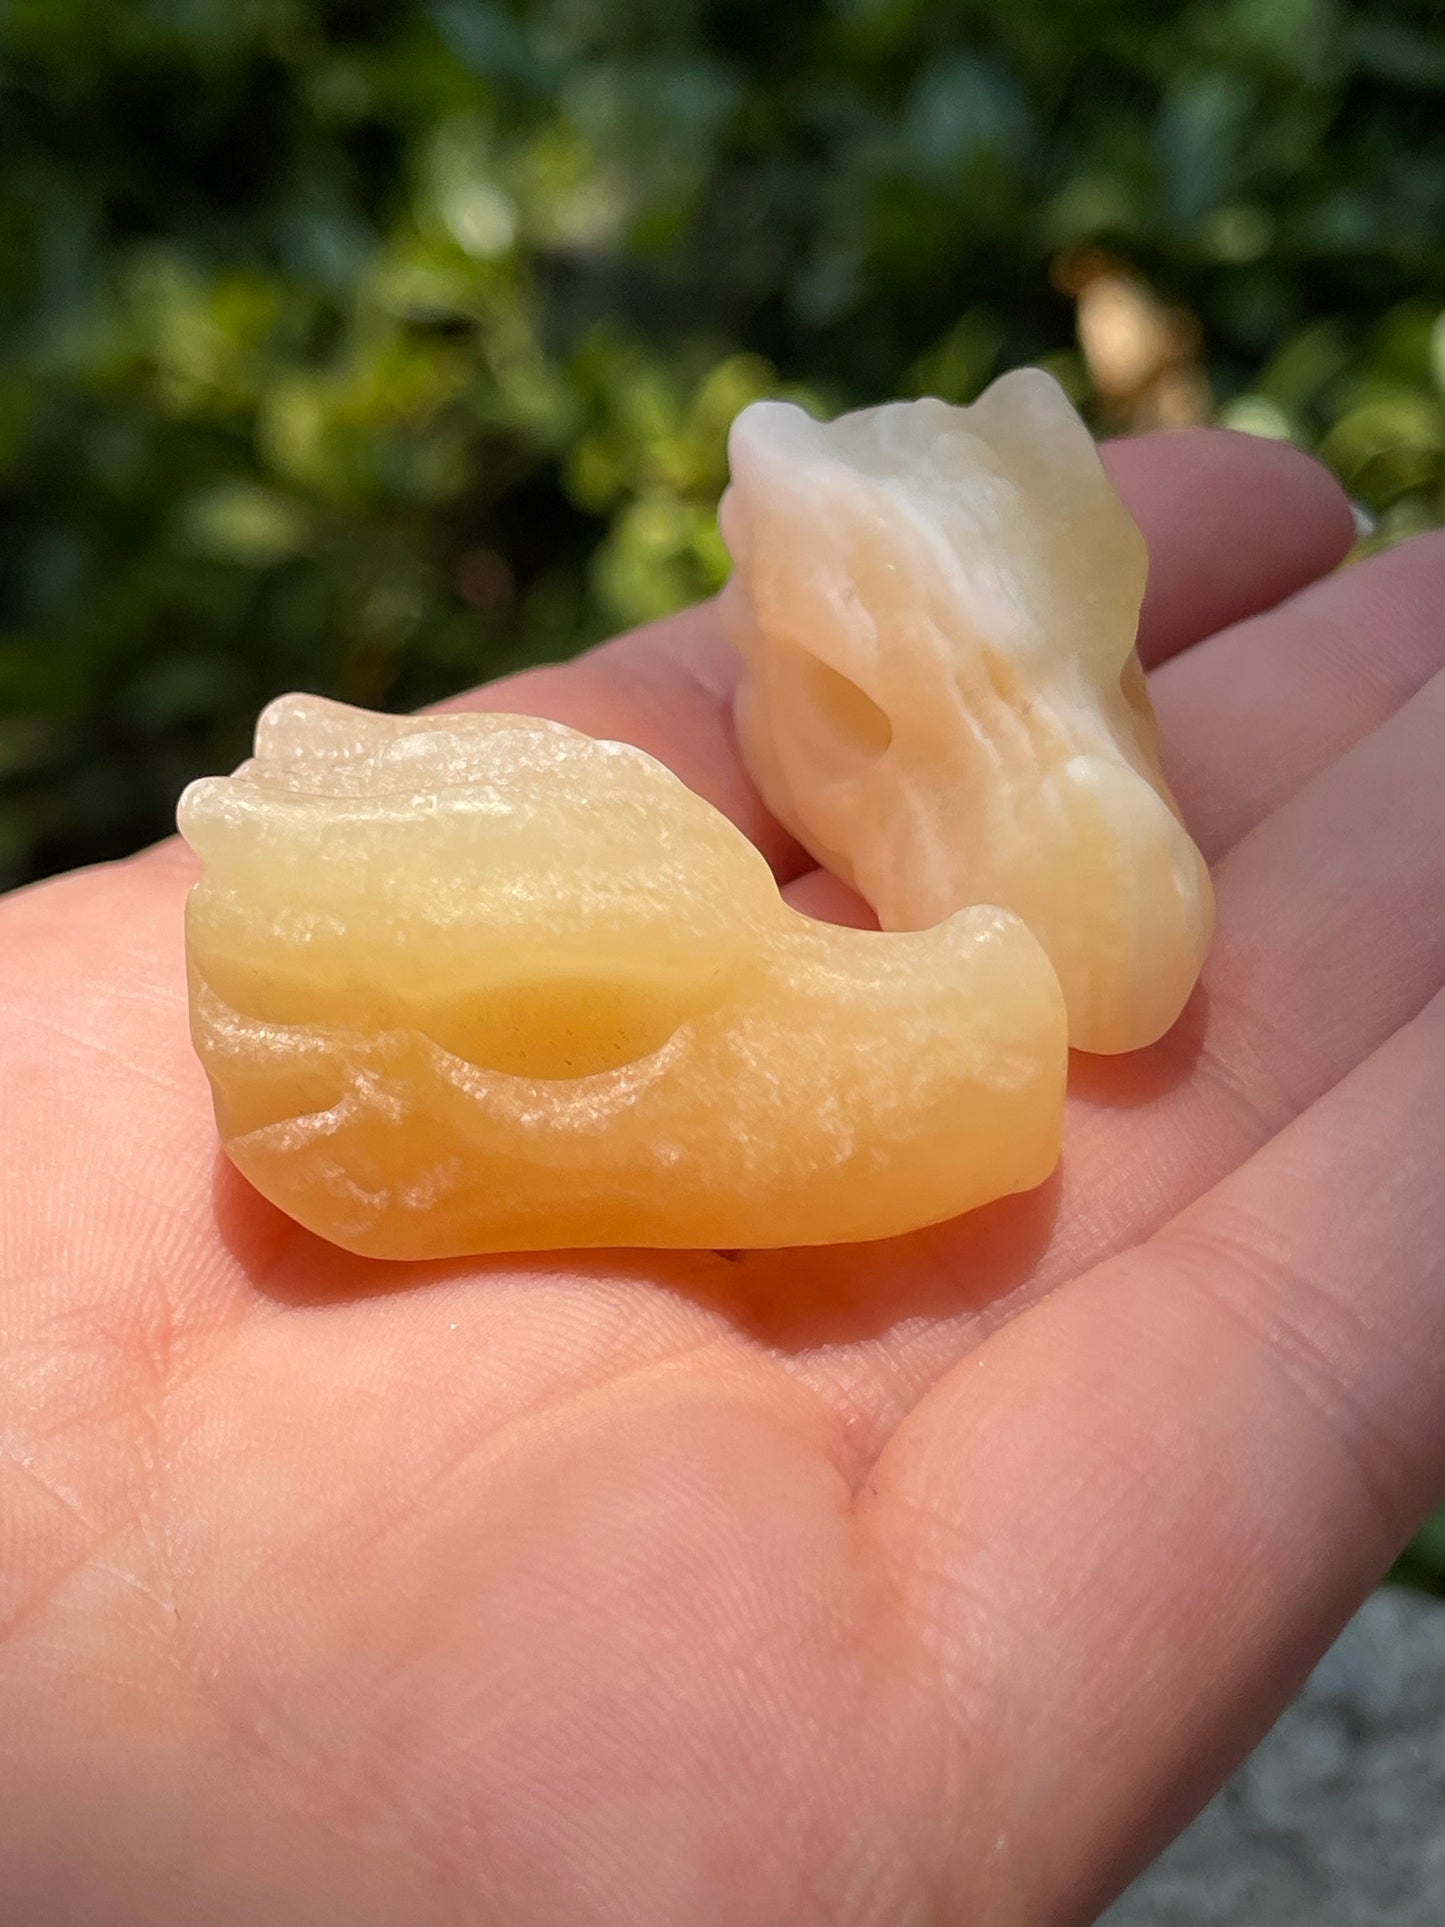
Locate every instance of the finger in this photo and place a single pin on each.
(1330, 936)
(818, 893)
(1234, 524)
(1199, 496)
(1250, 715)
(93, 1017)
(1147, 1505)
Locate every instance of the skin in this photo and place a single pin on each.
(936, 1581)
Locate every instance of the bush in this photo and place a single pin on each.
(378, 348)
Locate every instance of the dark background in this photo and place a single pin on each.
(379, 347)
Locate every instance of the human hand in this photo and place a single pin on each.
(921, 1582)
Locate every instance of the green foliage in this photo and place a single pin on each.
(379, 347)
(1422, 1565)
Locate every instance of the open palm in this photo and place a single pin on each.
(925, 1582)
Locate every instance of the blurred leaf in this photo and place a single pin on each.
(1201, 128)
(1423, 1565)
(241, 523)
(1399, 51)
(961, 109)
(1255, 414)
(958, 366)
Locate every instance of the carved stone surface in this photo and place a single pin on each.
(472, 983)
(936, 610)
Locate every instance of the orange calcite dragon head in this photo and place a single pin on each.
(468, 983)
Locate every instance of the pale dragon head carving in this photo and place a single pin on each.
(936, 610)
